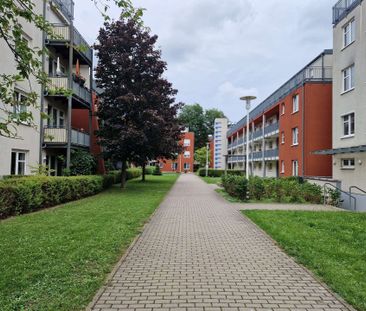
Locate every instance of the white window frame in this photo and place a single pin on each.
(295, 103)
(348, 79)
(282, 137)
(60, 115)
(186, 166)
(349, 33)
(187, 143)
(187, 154)
(283, 109)
(295, 136)
(295, 168)
(174, 166)
(18, 98)
(350, 133)
(17, 161)
(348, 164)
(282, 167)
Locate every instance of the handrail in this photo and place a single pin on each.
(340, 190)
(355, 187)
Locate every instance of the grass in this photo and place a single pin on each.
(57, 259)
(212, 180)
(331, 244)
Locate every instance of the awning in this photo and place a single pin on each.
(356, 149)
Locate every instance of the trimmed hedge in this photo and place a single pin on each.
(282, 190)
(218, 173)
(31, 193)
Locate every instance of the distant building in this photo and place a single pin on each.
(220, 143)
(185, 160)
(287, 127)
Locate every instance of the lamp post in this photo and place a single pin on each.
(247, 99)
(207, 149)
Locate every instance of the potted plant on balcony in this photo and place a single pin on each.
(77, 77)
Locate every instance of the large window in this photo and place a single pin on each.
(348, 164)
(187, 142)
(283, 108)
(295, 103)
(19, 105)
(282, 137)
(282, 166)
(56, 118)
(295, 136)
(187, 154)
(349, 31)
(348, 124)
(174, 166)
(348, 78)
(18, 162)
(295, 168)
(187, 166)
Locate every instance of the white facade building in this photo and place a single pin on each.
(220, 143)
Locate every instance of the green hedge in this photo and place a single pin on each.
(217, 173)
(130, 174)
(281, 190)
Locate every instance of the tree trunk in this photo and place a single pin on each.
(143, 172)
(123, 174)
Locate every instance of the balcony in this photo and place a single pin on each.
(66, 7)
(63, 36)
(58, 86)
(272, 129)
(236, 158)
(58, 136)
(342, 8)
(271, 154)
(257, 156)
(257, 134)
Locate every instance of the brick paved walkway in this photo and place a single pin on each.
(199, 254)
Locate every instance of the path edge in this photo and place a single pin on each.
(110, 276)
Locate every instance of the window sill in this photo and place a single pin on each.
(347, 168)
(294, 145)
(347, 91)
(294, 112)
(348, 136)
(349, 44)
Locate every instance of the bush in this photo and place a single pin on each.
(131, 173)
(157, 171)
(236, 186)
(256, 187)
(23, 195)
(218, 173)
(149, 170)
(82, 163)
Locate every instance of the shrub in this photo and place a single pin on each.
(218, 173)
(236, 186)
(256, 187)
(149, 170)
(157, 171)
(312, 193)
(131, 173)
(82, 163)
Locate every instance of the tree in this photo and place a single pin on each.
(200, 122)
(200, 156)
(28, 59)
(137, 109)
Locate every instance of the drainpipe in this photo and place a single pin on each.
(263, 146)
(303, 130)
(41, 123)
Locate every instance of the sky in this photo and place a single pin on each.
(218, 51)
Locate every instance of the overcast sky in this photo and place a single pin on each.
(219, 50)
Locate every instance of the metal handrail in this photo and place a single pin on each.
(340, 190)
(355, 187)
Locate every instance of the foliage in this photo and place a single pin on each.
(28, 59)
(199, 121)
(24, 195)
(333, 197)
(131, 173)
(217, 173)
(57, 259)
(157, 171)
(82, 163)
(236, 186)
(200, 156)
(331, 244)
(149, 170)
(137, 109)
(256, 187)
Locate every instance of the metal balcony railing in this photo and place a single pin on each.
(237, 158)
(269, 154)
(257, 134)
(66, 7)
(58, 135)
(271, 128)
(257, 155)
(310, 73)
(342, 8)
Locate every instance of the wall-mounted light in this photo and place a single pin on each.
(360, 162)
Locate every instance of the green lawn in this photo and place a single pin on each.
(212, 180)
(57, 259)
(331, 244)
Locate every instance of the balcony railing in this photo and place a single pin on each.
(237, 158)
(273, 128)
(310, 73)
(66, 7)
(257, 155)
(342, 8)
(59, 136)
(58, 85)
(270, 154)
(257, 134)
(62, 34)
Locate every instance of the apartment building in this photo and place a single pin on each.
(220, 143)
(19, 156)
(349, 94)
(287, 127)
(185, 160)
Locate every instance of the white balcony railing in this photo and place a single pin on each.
(59, 136)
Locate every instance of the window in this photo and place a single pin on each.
(348, 78)
(270, 166)
(19, 100)
(18, 163)
(282, 166)
(270, 145)
(295, 136)
(295, 168)
(348, 124)
(283, 108)
(283, 137)
(56, 118)
(187, 166)
(295, 103)
(174, 166)
(348, 164)
(187, 154)
(187, 142)
(349, 31)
